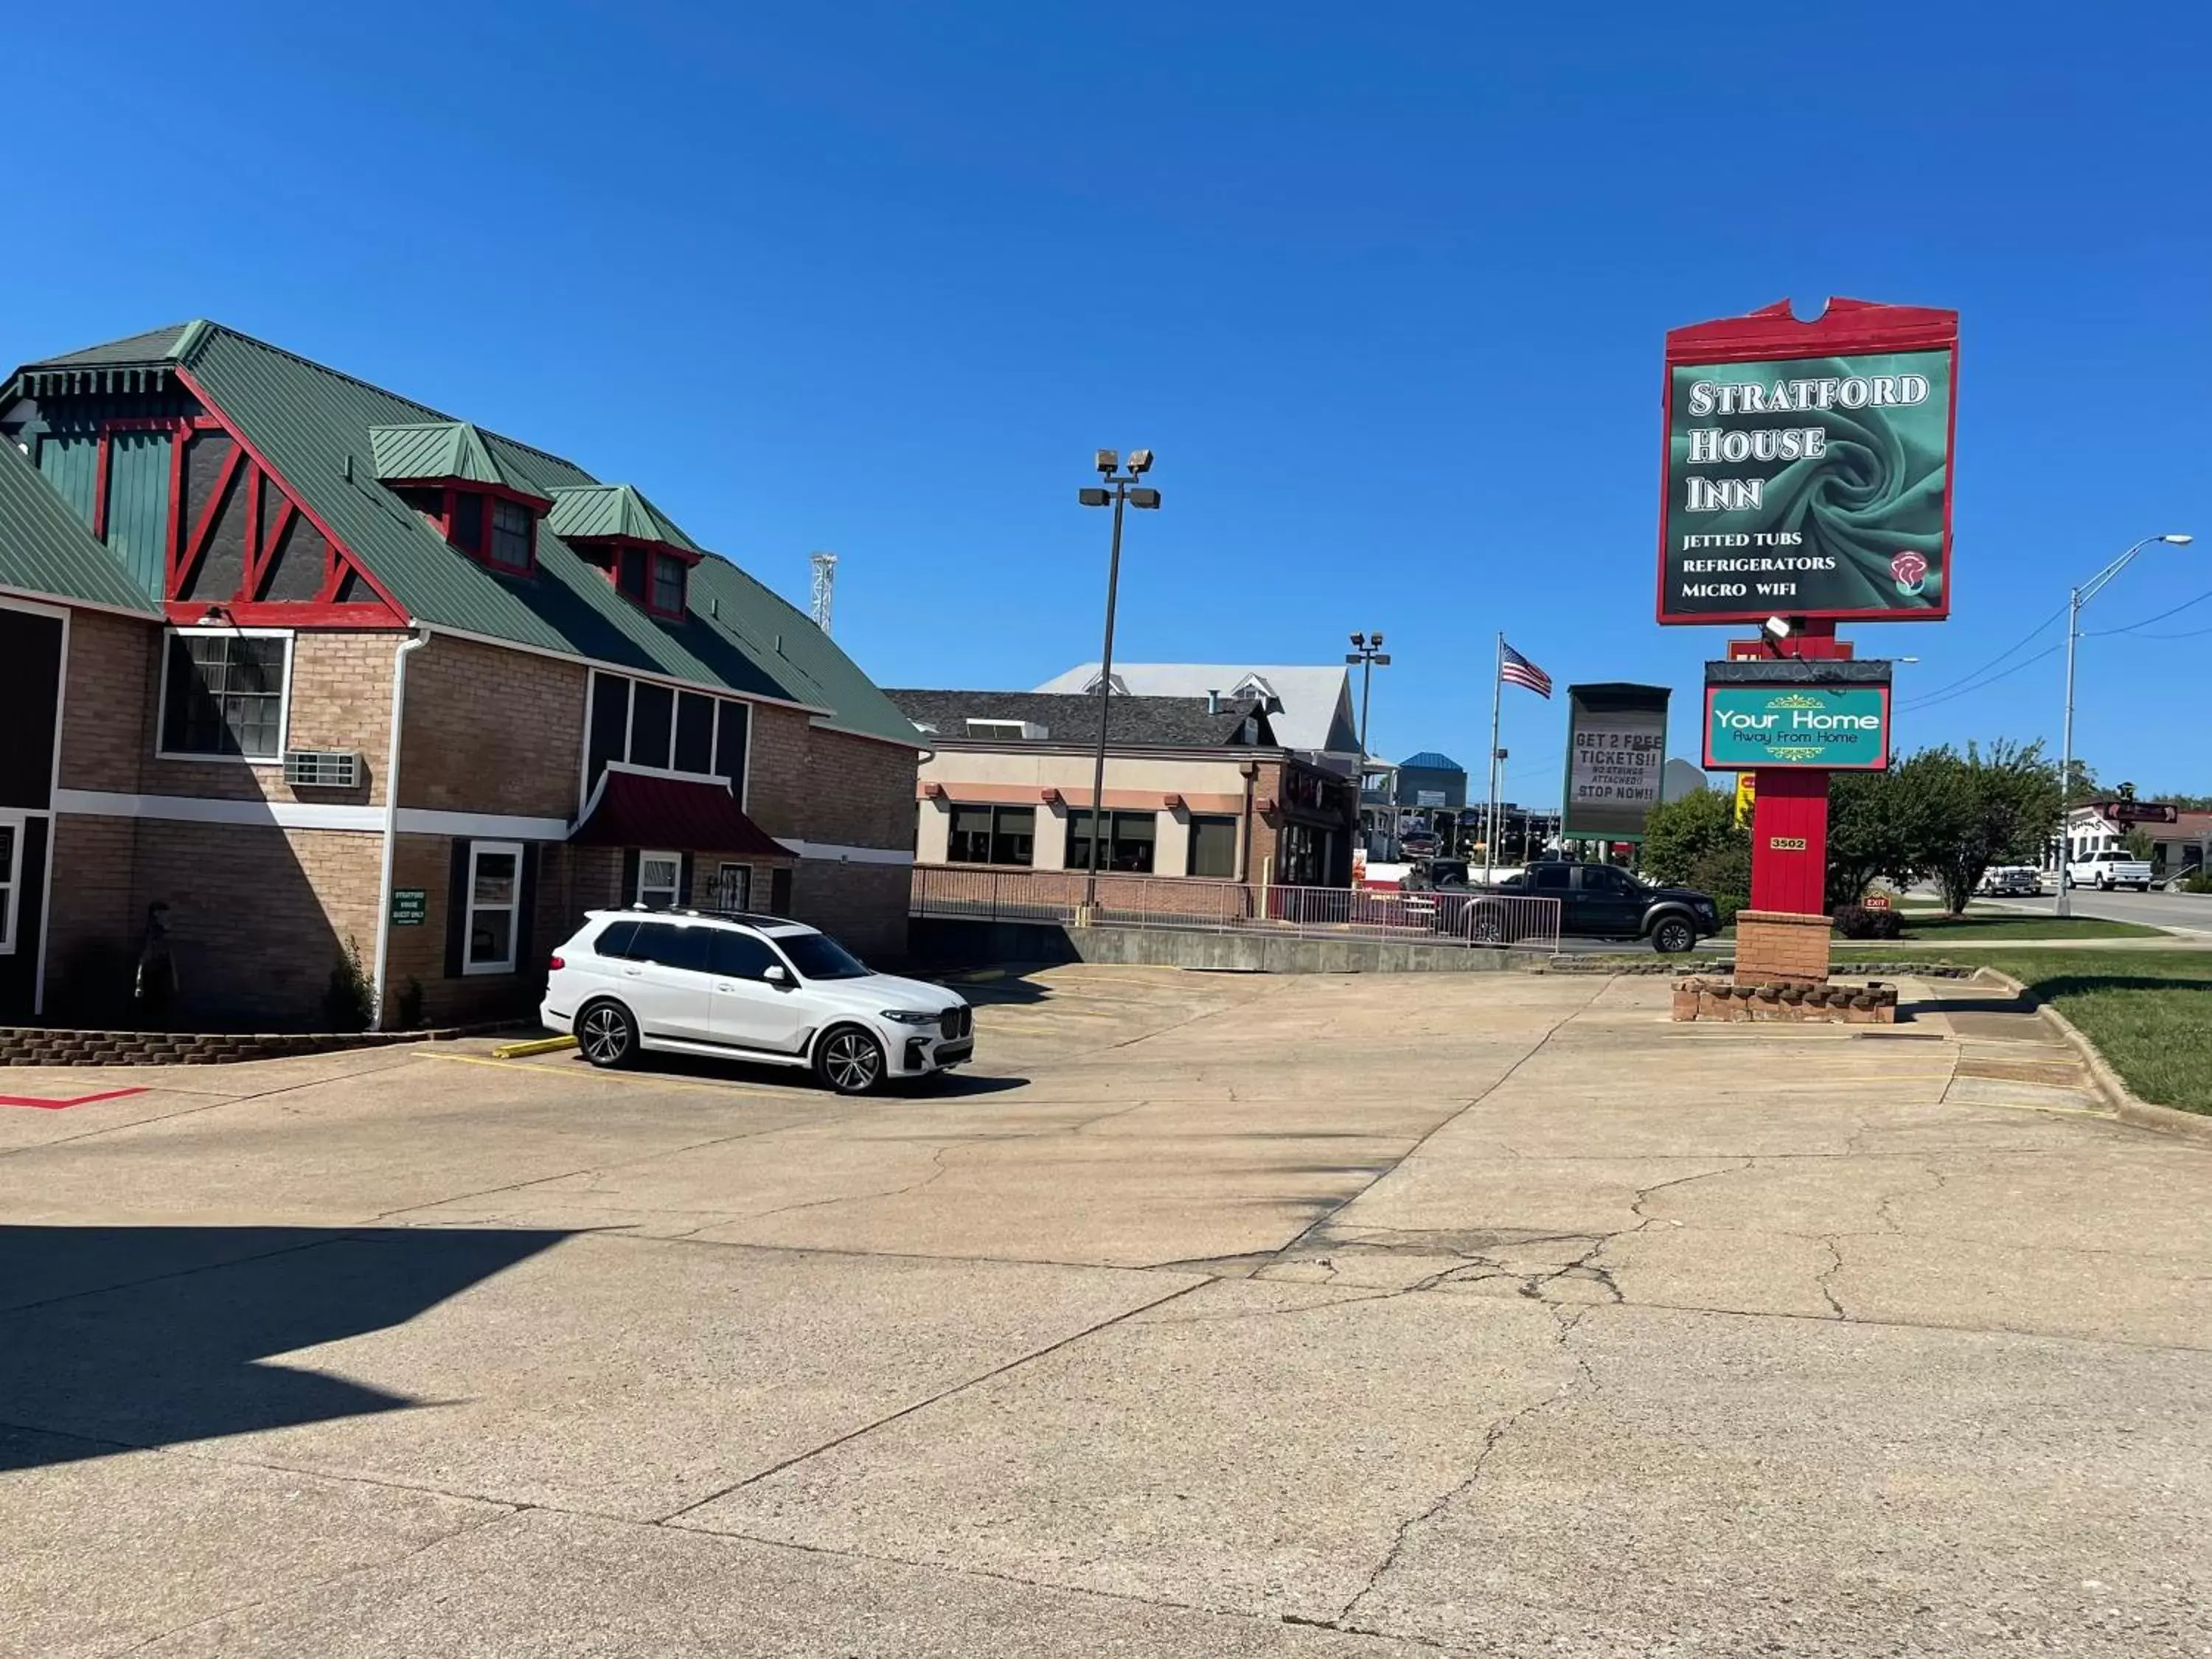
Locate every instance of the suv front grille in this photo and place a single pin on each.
(957, 1023)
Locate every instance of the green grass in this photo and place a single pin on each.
(1937, 928)
(2149, 1012)
(1934, 929)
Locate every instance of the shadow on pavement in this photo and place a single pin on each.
(150, 1336)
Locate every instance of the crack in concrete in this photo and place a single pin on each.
(1826, 1277)
(1491, 1440)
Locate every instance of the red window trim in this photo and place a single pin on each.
(606, 552)
(535, 506)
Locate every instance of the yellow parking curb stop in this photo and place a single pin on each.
(534, 1046)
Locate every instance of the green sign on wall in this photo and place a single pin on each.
(1843, 729)
(410, 906)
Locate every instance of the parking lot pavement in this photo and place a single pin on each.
(1370, 1316)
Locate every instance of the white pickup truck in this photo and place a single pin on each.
(2106, 868)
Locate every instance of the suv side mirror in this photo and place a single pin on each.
(774, 974)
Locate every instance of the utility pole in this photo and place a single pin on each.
(2075, 600)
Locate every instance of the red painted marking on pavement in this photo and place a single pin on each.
(57, 1105)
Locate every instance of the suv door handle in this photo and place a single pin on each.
(725, 985)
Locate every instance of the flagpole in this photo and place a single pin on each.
(1489, 824)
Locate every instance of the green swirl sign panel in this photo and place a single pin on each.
(1808, 487)
(1836, 728)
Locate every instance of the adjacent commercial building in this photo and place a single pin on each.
(1202, 788)
(2177, 847)
(304, 668)
(1310, 709)
(1430, 781)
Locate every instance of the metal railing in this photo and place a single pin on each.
(1057, 897)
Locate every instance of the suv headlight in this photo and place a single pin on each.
(908, 1017)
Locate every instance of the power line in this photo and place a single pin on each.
(1962, 691)
(2099, 633)
(1957, 684)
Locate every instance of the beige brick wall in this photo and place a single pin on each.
(107, 702)
(492, 731)
(258, 917)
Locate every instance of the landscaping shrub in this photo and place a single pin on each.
(1859, 921)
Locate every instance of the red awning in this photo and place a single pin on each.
(633, 809)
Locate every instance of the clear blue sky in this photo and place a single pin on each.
(1384, 286)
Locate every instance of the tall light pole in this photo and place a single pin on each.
(1120, 494)
(2075, 600)
(1369, 654)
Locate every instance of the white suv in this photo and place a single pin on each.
(758, 988)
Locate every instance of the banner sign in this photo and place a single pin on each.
(1808, 466)
(1616, 759)
(1843, 728)
(2139, 811)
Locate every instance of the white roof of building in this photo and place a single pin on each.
(1317, 703)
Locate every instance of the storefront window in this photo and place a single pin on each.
(1130, 840)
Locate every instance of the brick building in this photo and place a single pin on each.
(1196, 788)
(233, 577)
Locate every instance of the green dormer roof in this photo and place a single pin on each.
(437, 449)
(594, 510)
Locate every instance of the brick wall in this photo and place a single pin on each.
(94, 928)
(257, 916)
(107, 703)
(340, 698)
(492, 731)
(863, 905)
(419, 952)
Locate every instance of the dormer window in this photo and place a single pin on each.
(451, 474)
(513, 528)
(644, 555)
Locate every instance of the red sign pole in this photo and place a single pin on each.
(1790, 813)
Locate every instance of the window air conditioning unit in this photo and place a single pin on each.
(323, 769)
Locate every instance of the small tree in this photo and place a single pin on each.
(1956, 815)
(1695, 842)
(1866, 836)
(2139, 844)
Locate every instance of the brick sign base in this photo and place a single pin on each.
(1777, 947)
(1793, 1003)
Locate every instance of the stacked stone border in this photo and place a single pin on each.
(46, 1045)
(1785, 1003)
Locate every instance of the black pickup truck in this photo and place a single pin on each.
(1596, 900)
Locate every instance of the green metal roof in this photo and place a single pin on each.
(316, 428)
(45, 549)
(434, 449)
(588, 510)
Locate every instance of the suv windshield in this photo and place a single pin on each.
(817, 956)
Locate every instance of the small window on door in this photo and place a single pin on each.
(733, 888)
(660, 879)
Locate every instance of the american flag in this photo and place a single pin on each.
(1516, 670)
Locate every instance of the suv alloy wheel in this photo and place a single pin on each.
(1674, 937)
(607, 1035)
(849, 1060)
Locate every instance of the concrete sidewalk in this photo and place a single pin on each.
(1218, 1314)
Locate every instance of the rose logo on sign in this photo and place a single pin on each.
(1911, 570)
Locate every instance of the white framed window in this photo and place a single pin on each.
(11, 878)
(495, 905)
(226, 695)
(660, 879)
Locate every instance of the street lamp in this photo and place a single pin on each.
(2075, 600)
(1369, 654)
(1120, 494)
